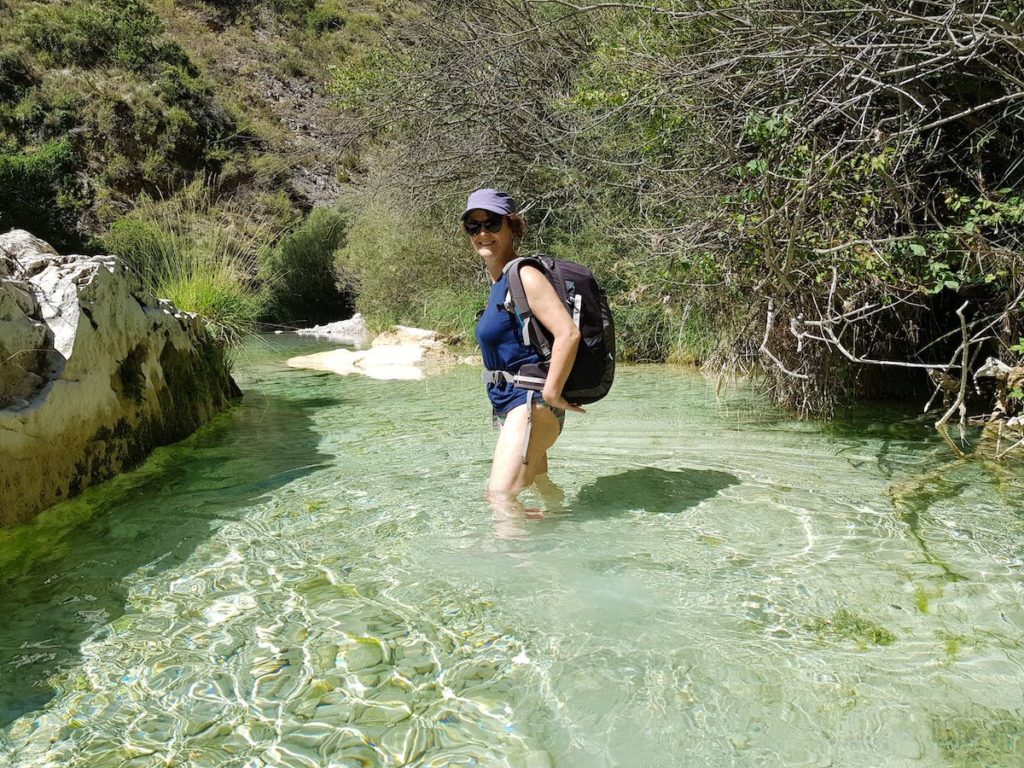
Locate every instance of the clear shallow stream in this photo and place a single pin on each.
(315, 580)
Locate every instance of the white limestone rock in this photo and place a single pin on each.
(93, 373)
(352, 332)
(400, 353)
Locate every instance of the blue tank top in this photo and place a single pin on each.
(499, 334)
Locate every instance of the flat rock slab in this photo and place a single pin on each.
(401, 353)
(383, 362)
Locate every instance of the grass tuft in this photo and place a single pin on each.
(201, 259)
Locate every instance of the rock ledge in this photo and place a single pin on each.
(94, 374)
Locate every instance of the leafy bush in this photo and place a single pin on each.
(94, 32)
(452, 309)
(39, 192)
(143, 244)
(398, 262)
(326, 18)
(300, 270)
(15, 72)
(237, 9)
(137, 115)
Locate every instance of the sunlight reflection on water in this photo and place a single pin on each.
(315, 580)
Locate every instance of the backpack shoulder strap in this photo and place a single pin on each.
(533, 332)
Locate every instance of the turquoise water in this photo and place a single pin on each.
(315, 579)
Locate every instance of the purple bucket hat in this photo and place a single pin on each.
(490, 200)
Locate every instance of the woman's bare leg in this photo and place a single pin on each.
(509, 475)
(554, 497)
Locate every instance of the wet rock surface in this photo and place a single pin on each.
(94, 374)
(400, 353)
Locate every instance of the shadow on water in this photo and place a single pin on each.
(67, 573)
(651, 489)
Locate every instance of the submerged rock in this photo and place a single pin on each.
(94, 374)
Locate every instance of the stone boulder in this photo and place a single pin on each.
(352, 331)
(94, 374)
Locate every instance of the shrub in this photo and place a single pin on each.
(452, 309)
(144, 245)
(153, 136)
(234, 10)
(39, 192)
(300, 271)
(396, 261)
(15, 73)
(326, 18)
(90, 33)
(292, 8)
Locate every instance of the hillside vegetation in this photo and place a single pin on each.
(178, 135)
(801, 188)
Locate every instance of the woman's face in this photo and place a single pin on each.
(491, 245)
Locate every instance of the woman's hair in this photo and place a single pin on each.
(517, 223)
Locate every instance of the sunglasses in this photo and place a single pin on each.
(491, 224)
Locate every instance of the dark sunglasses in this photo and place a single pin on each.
(491, 224)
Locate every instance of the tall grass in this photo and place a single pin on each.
(204, 260)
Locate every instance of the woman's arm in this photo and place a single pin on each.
(552, 314)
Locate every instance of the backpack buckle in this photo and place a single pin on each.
(496, 377)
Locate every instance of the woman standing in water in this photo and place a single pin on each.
(529, 422)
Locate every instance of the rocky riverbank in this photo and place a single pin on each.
(94, 374)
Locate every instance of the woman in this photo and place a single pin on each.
(529, 423)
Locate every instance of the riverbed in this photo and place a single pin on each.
(315, 579)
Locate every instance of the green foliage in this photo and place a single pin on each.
(300, 270)
(452, 310)
(326, 18)
(657, 318)
(236, 10)
(403, 268)
(199, 257)
(89, 33)
(39, 192)
(361, 81)
(143, 243)
(118, 109)
(15, 72)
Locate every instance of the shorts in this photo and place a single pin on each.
(498, 419)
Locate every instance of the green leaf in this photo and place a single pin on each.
(918, 250)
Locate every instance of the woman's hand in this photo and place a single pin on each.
(557, 401)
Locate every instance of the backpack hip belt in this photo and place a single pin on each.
(535, 383)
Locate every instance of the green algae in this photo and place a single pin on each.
(989, 737)
(844, 624)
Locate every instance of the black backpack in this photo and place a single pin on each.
(584, 298)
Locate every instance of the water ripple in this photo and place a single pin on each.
(722, 587)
